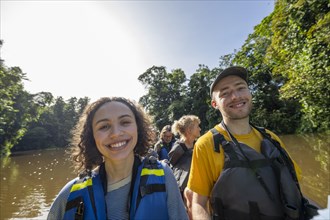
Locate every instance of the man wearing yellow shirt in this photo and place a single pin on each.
(240, 171)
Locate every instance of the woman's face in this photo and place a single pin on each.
(195, 130)
(167, 137)
(115, 131)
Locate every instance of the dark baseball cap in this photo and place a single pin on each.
(233, 70)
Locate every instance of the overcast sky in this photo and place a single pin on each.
(99, 48)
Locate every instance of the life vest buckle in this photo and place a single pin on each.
(80, 211)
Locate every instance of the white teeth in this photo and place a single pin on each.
(119, 144)
(238, 105)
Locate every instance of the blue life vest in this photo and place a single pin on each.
(149, 188)
(81, 201)
(163, 154)
(148, 198)
(165, 149)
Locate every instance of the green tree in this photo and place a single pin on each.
(43, 99)
(81, 105)
(53, 128)
(17, 109)
(198, 97)
(164, 99)
(300, 51)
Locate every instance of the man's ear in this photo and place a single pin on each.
(214, 104)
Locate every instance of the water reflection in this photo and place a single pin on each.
(311, 152)
(30, 181)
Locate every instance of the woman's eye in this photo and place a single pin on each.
(126, 122)
(104, 127)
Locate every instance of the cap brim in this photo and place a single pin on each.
(233, 70)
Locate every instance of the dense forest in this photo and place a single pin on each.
(287, 57)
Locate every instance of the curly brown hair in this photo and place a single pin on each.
(83, 150)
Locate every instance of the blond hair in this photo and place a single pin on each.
(180, 126)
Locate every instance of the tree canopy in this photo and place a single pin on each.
(287, 57)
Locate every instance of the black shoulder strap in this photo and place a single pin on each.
(183, 146)
(283, 152)
(103, 176)
(176, 153)
(217, 139)
(136, 164)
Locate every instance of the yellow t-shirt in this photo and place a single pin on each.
(207, 165)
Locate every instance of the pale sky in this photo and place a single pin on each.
(99, 48)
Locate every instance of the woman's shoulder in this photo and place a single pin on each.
(69, 184)
(57, 208)
(167, 169)
(178, 145)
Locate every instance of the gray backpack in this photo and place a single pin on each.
(180, 160)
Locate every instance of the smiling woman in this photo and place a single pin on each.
(109, 146)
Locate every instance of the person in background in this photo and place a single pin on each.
(187, 127)
(117, 182)
(240, 171)
(165, 143)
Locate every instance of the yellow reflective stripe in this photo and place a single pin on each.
(156, 172)
(82, 185)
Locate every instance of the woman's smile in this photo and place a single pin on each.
(117, 145)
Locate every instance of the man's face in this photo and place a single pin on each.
(233, 98)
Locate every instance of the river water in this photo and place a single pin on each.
(30, 181)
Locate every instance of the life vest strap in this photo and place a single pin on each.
(176, 153)
(79, 215)
(217, 209)
(254, 210)
(73, 203)
(219, 212)
(151, 188)
(254, 164)
(76, 203)
(310, 210)
(91, 196)
(232, 214)
(217, 139)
